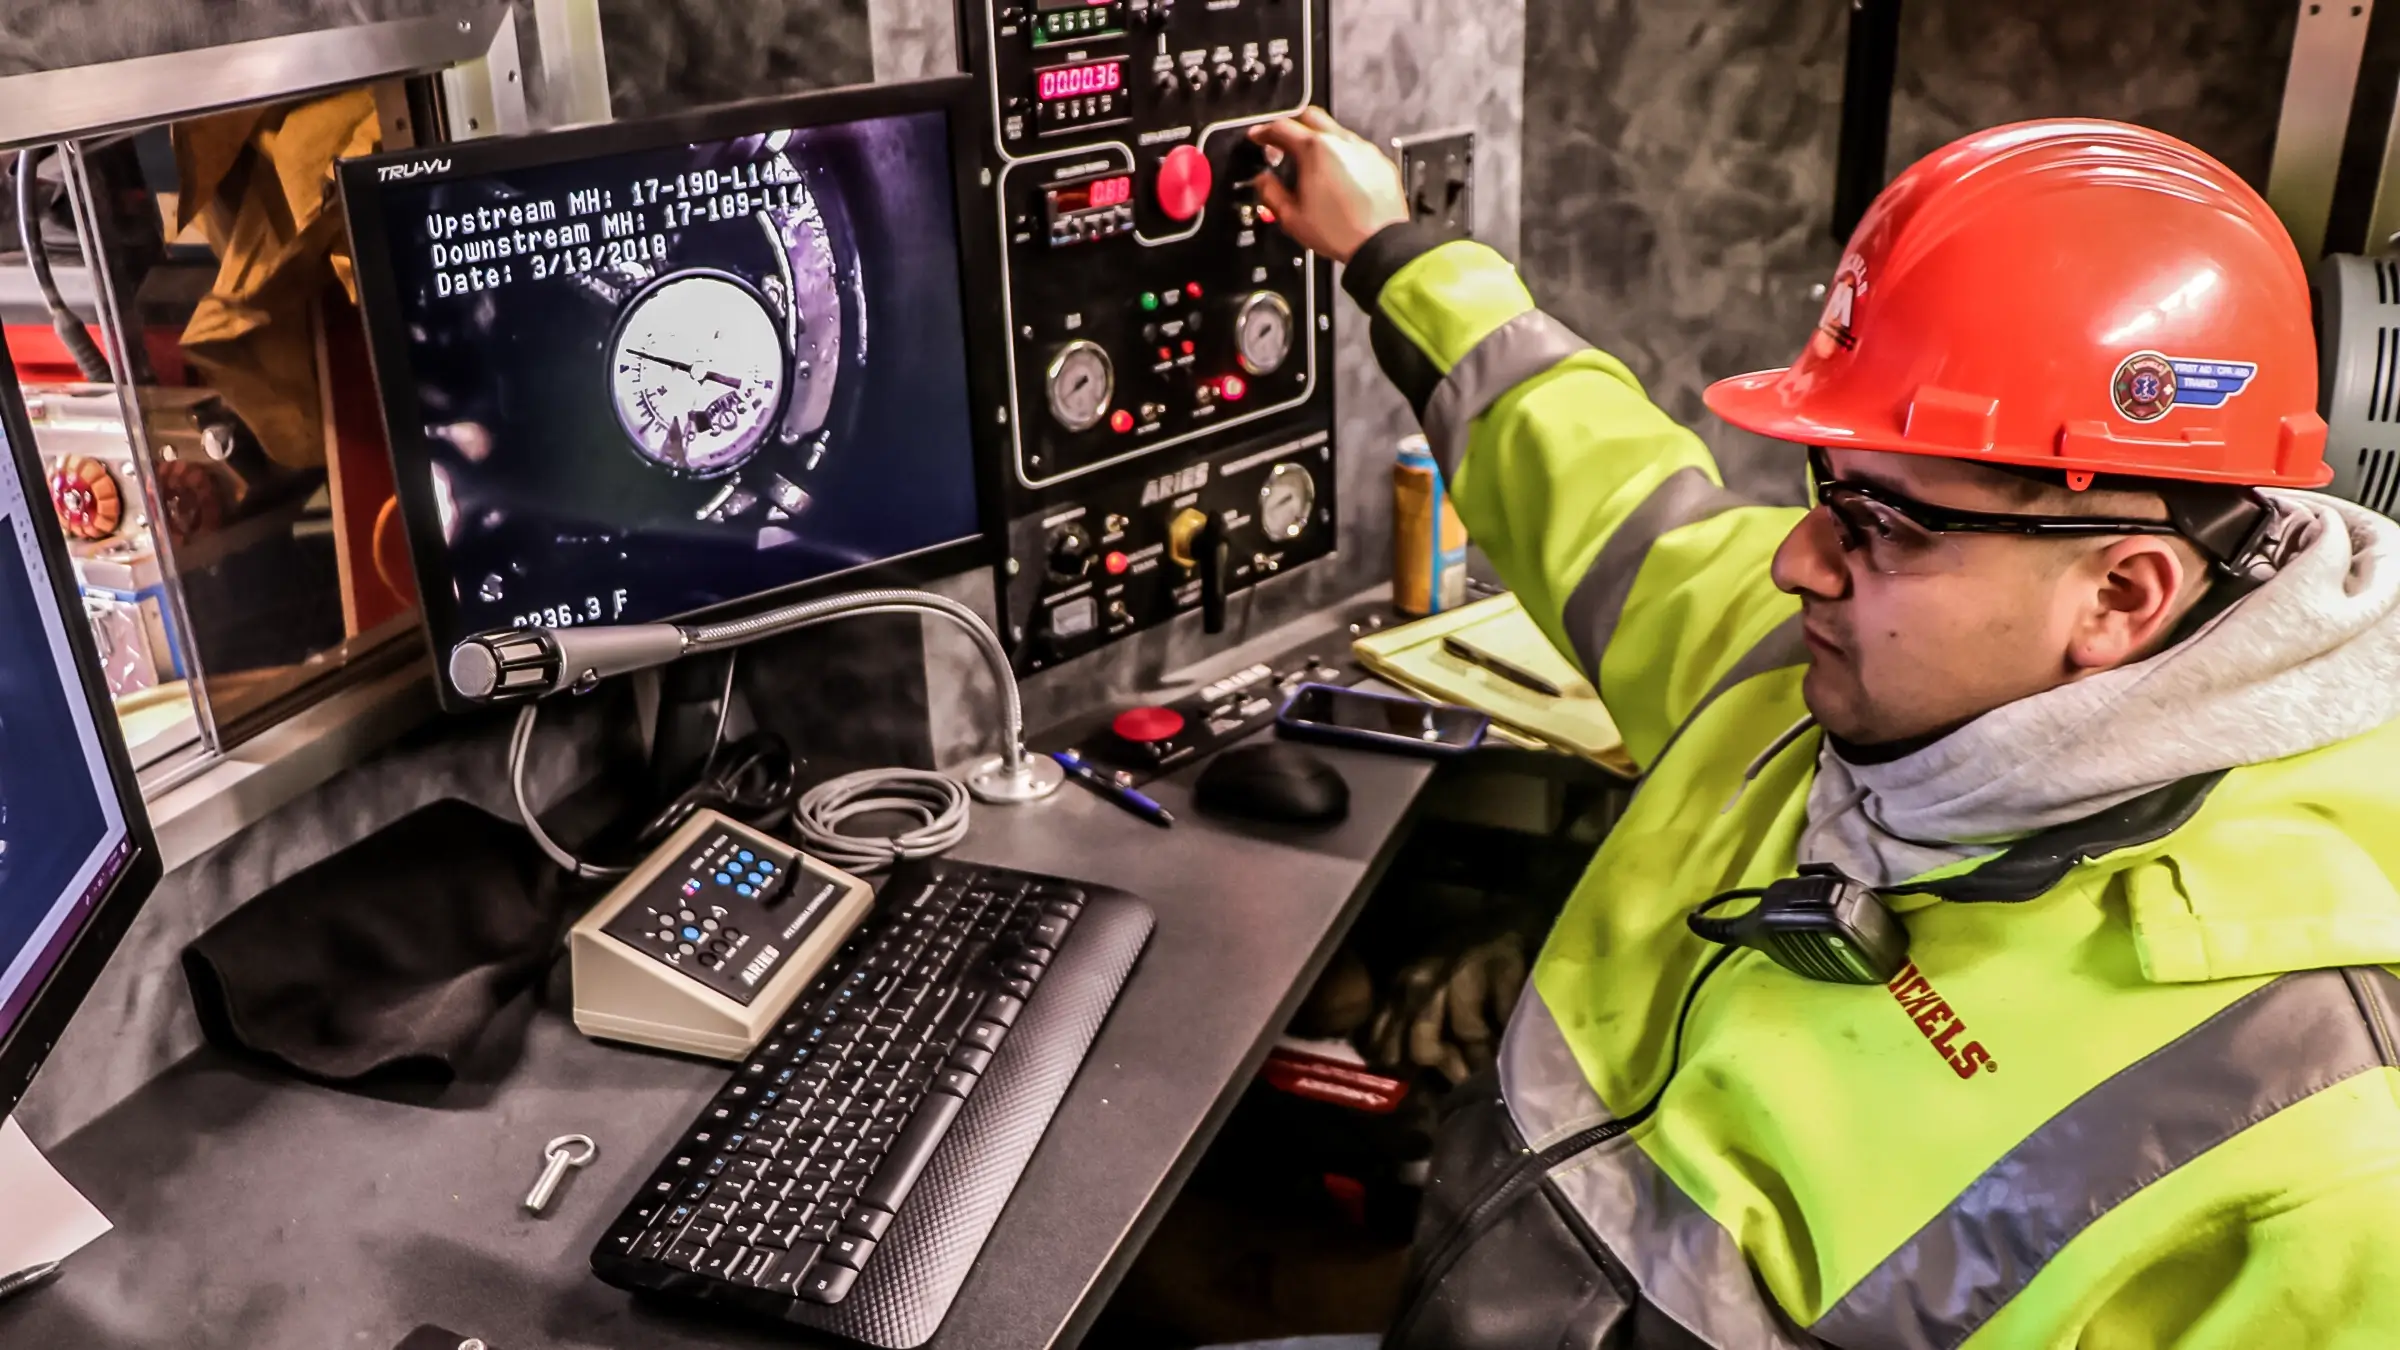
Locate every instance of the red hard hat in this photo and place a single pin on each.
(2076, 295)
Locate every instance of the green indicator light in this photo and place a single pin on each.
(1149, 300)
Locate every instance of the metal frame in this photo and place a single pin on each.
(484, 95)
(98, 100)
(2326, 47)
(432, 78)
(574, 64)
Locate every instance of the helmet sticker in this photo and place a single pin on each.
(1841, 299)
(2147, 386)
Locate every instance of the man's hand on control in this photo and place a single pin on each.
(1345, 190)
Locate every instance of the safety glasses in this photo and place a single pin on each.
(1898, 535)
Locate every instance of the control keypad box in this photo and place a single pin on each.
(701, 947)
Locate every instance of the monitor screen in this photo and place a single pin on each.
(70, 827)
(634, 374)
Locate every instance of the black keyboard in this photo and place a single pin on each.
(847, 1175)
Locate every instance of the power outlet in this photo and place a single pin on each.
(1437, 169)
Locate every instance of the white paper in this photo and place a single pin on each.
(48, 1220)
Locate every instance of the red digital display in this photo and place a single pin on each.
(1098, 77)
(1112, 191)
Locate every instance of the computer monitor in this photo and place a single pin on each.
(76, 857)
(645, 370)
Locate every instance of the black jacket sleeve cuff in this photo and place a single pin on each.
(1380, 259)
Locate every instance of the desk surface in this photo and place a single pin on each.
(257, 1212)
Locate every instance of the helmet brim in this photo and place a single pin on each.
(1759, 402)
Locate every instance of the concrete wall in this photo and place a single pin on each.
(1679, 153)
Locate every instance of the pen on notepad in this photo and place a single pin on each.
(1507, 670)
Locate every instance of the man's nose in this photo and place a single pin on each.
(1810, 561)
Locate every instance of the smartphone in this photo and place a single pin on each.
(1328, 712)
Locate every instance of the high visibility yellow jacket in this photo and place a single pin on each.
(2137, 1087)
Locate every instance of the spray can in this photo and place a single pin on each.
(1429, 542)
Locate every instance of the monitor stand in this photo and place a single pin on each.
(690, 707)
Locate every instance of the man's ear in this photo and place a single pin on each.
(2128, 595)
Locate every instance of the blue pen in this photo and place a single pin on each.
(1108, 787)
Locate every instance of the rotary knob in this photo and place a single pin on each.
(1184, 182)
(1070, 553)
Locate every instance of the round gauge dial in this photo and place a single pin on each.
(1286, 500)
(697, 371)
(1262, 333)
(1082, 381)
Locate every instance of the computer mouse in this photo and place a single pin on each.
(1274, 780)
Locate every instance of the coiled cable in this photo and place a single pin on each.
(938, 801)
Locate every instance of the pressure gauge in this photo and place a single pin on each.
(697, 371)
(1286, 500)
(1082, 381)
(1262, 333)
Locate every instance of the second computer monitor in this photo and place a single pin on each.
(76, 856)
(641, 370)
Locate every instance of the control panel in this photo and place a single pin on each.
(1161, 326)
(700, 947)
(1131, 552)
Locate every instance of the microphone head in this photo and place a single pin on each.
(512, 665)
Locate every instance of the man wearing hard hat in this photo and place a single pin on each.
(1996, 951)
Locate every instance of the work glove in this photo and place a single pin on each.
(1445, 1012)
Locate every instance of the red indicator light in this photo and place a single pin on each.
(1116, 563)
(1192, 289)
(1233, 387)
(1165, 355)
(1120, 421)
(1187, 346)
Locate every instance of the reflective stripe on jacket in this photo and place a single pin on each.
(2139, 1086)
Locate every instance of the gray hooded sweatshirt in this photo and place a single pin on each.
(2310, 658)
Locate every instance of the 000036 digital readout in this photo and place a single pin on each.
(1097, 77)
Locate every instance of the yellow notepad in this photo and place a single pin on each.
(1575, 721)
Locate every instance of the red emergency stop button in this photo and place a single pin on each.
(1144, 725)
(1184, 182)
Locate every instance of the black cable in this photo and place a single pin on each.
(1703, 922)
(88, 357)
(750, 780)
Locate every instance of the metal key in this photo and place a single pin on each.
(566, 1152)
